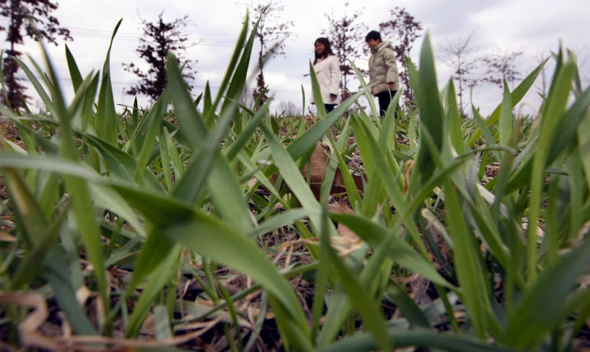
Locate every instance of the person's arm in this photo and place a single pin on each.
(391, 77)
(334, 76)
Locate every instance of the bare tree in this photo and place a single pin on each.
(460, 57)
(403, 29)
(287, 108)
(159, 38)
(583, 61)
(542, 83)
(35, 19)
(247, 97)
(271, 34)
(582, 58)
(501, 66)
(346, 35)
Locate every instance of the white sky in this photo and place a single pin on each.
(534, 27)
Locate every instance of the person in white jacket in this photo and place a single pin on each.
(327, 70)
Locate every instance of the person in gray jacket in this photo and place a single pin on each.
(382, 70)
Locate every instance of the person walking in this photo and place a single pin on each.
(382, 70)
(327, 70)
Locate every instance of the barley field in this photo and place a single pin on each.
(198, 224)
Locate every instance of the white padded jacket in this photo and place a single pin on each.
(327, 71)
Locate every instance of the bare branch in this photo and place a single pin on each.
(271, 34)
(403, 29)
(346, 35)
(501, 66)
(460, 57)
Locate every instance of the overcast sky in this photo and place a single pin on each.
(533, 27)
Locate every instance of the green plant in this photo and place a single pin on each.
(135, 208)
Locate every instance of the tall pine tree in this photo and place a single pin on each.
(27, 18)
(159, 38)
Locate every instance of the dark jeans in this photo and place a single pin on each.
(384, 100)
(329, 107)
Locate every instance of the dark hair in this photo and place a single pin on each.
(327, 49)
(373, 35)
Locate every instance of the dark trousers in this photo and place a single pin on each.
(329, 107)
(384, 100)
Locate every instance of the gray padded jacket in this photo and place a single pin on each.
(383, 68)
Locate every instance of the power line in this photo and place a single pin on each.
(68, 79)
(208, 41)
